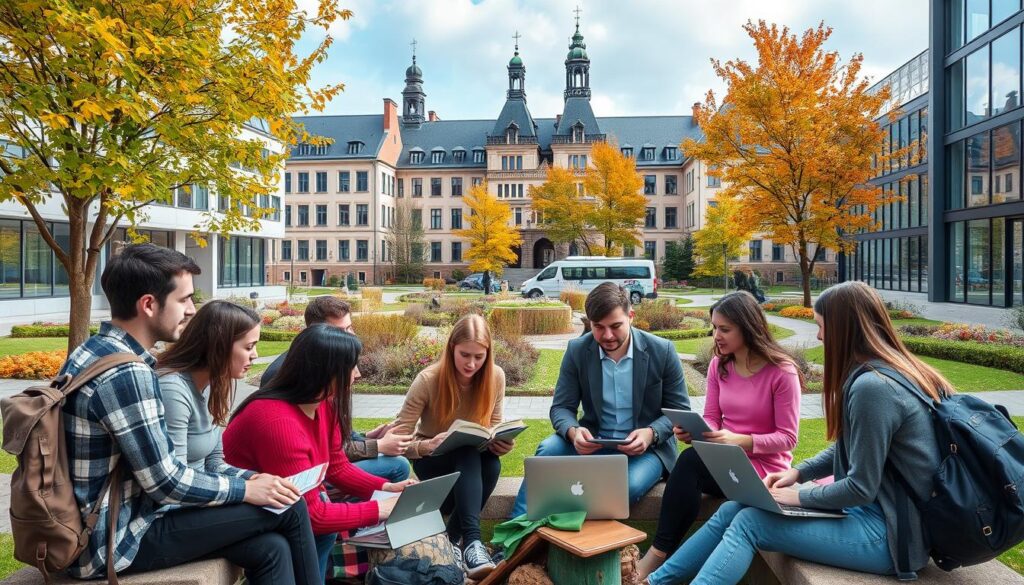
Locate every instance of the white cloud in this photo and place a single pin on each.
(647, 56)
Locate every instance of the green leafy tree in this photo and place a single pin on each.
(110, 105)
(678, 264)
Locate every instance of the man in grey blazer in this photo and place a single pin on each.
(622, 377)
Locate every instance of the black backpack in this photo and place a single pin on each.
(976, 508)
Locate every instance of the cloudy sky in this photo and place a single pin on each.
(647, 57)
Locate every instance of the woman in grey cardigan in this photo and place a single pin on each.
(873, 420)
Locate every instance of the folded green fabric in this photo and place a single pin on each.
(509, 534)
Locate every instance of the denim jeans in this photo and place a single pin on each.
(722, 550)
(644, 470)
(393, 469)
(324, 546)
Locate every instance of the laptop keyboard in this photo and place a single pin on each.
(792, 508)
(371, 530)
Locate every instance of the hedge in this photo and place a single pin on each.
(276, 335)
(1003, 357)
(46, 330)
(676, 334)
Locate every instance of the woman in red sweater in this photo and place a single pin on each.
(299, 420)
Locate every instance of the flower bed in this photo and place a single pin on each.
(805, 313)
(34, 365)
(574, 298)
(659, 316)
(398, 364)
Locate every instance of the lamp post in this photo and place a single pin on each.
(725, 266)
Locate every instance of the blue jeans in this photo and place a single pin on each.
(393, 469)
(644, 470)
(722, 550)
(324, 545)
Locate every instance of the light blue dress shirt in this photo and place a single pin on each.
(617, 395)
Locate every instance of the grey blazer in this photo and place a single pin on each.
(657, 383)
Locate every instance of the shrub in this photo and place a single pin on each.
(918, 330)
(458, 275)
(702, 314)
(268, 316)
(421, 315)
(46, 330)
(905, 310)
(641, 324)
(1003, 357)
(289, 323)
(682, 333)
(434, 283)
(574, 298)
(34, 365)
(398, 364)
(373, 298)
(517, 357)
(795, 312)
(351, 282)
(377, 331)
(528, 320)
(334, 281)
(267, 334)
(660, 315)
(243, 301)
(198, 296)
(355, 304)
(1015, 317)
(901, 314)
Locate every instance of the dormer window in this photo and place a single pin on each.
(304, 149)
(578, 136)
(415, 158)
(459, 156)
(437, 157)
(627, 152)
(478, 156)
(355, 147)
(512, 134)
(648, 153)
(671, 153)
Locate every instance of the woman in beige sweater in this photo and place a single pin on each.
(465, 384)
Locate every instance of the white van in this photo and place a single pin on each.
(637, 275)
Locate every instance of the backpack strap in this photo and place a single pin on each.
(69, 384)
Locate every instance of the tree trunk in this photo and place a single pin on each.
(486, 280)
(81, 309)
(805, 274)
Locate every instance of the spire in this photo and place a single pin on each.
(515, 123)
(413, 96)
(577, 65)
(516, 73)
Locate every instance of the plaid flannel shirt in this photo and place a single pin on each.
(118, 418)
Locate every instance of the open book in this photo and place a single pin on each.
(305, 481)
(463, 433)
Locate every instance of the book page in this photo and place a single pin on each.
(304, 481)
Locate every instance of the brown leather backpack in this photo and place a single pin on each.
(49, 532)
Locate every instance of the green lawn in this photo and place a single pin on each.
(269, 348)
(692, 346)
(18, 345)
(964, 377)
(545, 375)
(7, 563)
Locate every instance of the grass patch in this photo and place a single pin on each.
(683, 301)
(691, 346)
(269, 348)
(964, 377)
(20, 345)
(7, 563)
(545, 375)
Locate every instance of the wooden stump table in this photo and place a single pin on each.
(590, 556)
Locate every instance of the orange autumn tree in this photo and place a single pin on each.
(793, 142)
(617, 213)
(490, 233)
(566, 213)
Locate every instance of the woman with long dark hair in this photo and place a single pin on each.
(875, 421)
(464, 384)
(299, 420)
(753, 400)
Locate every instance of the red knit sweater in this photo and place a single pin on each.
(273, 436)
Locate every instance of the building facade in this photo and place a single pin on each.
(343, 198)
(34, 284)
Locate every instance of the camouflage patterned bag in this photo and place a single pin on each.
(430, 561)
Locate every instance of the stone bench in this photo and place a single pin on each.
(207, 572)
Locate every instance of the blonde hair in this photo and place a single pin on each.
(858, 330)
(471, 328)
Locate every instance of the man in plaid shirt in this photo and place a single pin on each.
(170, 513)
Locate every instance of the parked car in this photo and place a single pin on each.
(637, 275)
(475, 281)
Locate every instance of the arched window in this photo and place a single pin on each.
(578, 134)
(512, 134)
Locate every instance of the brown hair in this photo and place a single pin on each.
(605, 298)
(483, 389)
(322, 308)
(206, 344)
(743, 311)
(857, 329)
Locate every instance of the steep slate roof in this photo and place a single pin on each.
(515, 111)
(577, 109)
(448, 134)
(659, 131)
(368, 129)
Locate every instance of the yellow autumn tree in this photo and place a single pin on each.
(793, 142)
(564, 210)
(112, 105)
(721, 238)
(619, 204)
(491, 234)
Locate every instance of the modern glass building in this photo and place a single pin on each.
(975, 216)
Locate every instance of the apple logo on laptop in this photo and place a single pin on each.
(733, 477)
(420, 507)
(576, 489)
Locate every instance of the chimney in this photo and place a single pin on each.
(696, 108)
(432, 116)
(390, 115)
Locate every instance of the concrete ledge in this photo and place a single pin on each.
(793, 571)
(207, 572)
(500, 504)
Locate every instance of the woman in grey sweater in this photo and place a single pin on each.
(873, 420)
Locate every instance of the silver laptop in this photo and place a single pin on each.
(417, 515)
(596, 484)
(739, 481)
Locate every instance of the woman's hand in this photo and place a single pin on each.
(385, 507)
(270, 490)
(682, 435)
(781, 479)
(786, 496)
(393, 444)
(381, 430)
(500, 448)
(436, 441)
(726, 437)
(400, 486)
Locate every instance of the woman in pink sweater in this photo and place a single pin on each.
(753, 400)
(299, 421)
